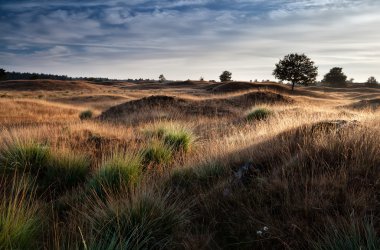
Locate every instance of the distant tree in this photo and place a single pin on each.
(351, 80)
(201, 79)
(225, 76)
(3, 75)
(335, 77)
(161, 78)
(372, 82)
(297, 69)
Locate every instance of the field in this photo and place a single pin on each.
(188, 165)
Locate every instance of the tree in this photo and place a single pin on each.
(372, 82)
(297, 69)
(225, 76)
(161, 78)
(335, 77)
(3, 75)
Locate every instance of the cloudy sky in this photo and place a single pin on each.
(187, 38)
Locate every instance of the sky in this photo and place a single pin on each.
(187, 39)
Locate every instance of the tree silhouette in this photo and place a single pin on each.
(335, 77)
(297, 69)
(225, 76)
(372, 82)
(161, 78)
(3, 75)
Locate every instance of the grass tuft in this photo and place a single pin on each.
(85, 115)
(117, 171)
(20, 225)
(259, 114)
(158, 153)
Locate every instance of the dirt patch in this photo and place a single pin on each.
(46, 85)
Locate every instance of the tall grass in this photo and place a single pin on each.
(120, 170)
(20, 215)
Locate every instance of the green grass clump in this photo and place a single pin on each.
(65, 170)
(355, 236)
(158, 153)
(179, 140)
(259, 114)
(85, 115)
(120, 170)
(25, 156)
(20, 225)
(145, 222)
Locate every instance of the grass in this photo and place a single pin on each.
(116, 172)
(310, 187)
(158, 153)
(85, 115)
(144, 221)
(25, 156)
(20, 221)
(259, 114)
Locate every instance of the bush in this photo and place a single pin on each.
(120, 170)
(158, 153)
(26, 156)
(20, 225)
(85, 115)
(144, 222)
(259, 114)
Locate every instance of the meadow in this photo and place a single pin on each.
(188, 165)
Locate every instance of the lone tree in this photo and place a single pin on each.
(297, 69)
(225, 76)
(161, 78)
(3, 75)
(372, 82)
(336, 77)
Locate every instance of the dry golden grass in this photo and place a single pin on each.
(306, 174)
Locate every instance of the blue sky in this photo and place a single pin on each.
(188, 38)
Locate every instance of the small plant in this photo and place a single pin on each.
(20, 225)
(26, 156)
(355, 236)
(144, 222)
(158, 153)
(202, 175)
(85, 115)
(120, 170)
(66, 169)
(259, 114)
(179, 140)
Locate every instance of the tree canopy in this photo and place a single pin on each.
(225, 76)
(335, 77)
(297, 69)
(372, 82)
(3, 75)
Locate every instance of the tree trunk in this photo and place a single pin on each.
(293, 86)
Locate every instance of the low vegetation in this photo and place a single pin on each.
(298, 171)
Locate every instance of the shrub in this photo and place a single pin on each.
(25, 156)
(145, 222)
(65, 170)
(85, 115)
(158, 153)
(19, 221)
(259, 114)
(120, 170)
